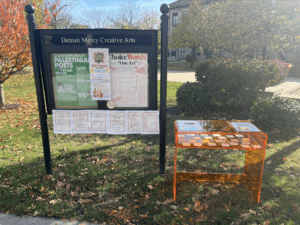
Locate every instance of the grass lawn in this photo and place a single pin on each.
(114, 178)
(184, 66)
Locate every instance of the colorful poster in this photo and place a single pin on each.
(98, 61)
(134, 122)
(98, 121)
(150, 122)
(129, 79)
(72, 86)
(100, 86)
(189, 125)
(244, 127)
(62, 122)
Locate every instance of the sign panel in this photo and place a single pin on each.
(244, 127)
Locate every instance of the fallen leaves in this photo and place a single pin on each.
(267, 207)
(150, 187)
(166, 202)
(252, 211)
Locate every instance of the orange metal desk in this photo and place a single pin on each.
(253, 142)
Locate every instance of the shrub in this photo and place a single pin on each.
(189, 58)
(234, 83)
(192, 98)
(277, 114)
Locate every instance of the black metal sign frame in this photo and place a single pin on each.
(45, 42)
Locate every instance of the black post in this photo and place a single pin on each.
(163, 85)
(29, 9)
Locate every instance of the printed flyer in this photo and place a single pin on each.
(81, 121)
(98, 121)
(129, 79)
(189, 125)
(62, 122)
(150, 122)
(117, 122)
(134, 122)
(244, 127)
(72, 86)
(99, 73)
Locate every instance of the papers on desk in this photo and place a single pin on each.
(244, 127)
(189, 125)
(102, 121)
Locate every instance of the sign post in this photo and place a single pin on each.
(66, 69)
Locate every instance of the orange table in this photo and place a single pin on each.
(214, 134)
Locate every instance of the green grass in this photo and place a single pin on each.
(107, 178)
(184, 66)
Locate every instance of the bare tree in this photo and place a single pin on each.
(95, 18)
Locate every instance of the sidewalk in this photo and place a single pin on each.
(10, 219)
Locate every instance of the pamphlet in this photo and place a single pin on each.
(117, 122)
(189, 125)
(62, 122)
(244, 127)
(98, 61)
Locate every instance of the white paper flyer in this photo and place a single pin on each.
(98, 121)
(244, 127)
(134, 122)
(62, 121)
(150, 122)
(129, 79)
(81, 121)
(99, 73)
(117, 122)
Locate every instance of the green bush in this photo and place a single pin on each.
(189, 58)
(236, 83)
(277, 114)
(192, 98)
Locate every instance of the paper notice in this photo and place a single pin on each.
(129, 79)
(99, 61)
(150, 122)
(189, 125)
(62, 122)
(117, 122)
(244, 127)
(98, 121)
(134, 122)
(100, 87)
(81, 121)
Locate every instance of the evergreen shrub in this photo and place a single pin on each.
(278, 114)
(192, 98)
(236, 83)
(189, 58)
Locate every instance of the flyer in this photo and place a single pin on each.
(62, 122)
(81, 121)
(98, 121)
(117, 122)
(150, 122)
(72, 87)
(100, 87)
(98, 61)
(244, 127)
(189, 125)
(134, 122)
(129, 79)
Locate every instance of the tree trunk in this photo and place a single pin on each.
(2, 99)
(192, 58)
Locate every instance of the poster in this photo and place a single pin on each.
(244, 127)
(129, 79)
(81, 123)
(150, 122)
(98, 121)
(134, 122)
(189, 125)
(117, 122)
(99, 73)
(62, 122)
(72, 86)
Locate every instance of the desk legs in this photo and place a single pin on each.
(174, 185)
(253, 171)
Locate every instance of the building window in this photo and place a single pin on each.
(173, 54)
(184, 12)
(182, 54)
(175, 19)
